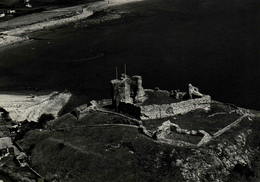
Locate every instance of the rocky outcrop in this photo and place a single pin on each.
(165, 129)
(217, 161)
(166, 110)
(31, 108)
(103, 140)
(122, 150)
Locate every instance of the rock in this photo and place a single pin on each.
(194, 91)
(179, 162)
(31, 108)
(165, 129)
(193, 132)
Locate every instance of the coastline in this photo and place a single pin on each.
(15, 32)
(16, 35)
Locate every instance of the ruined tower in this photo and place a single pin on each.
(115, 93)
(127, 90)
(121, 91)
(138, 90)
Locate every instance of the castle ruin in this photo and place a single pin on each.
(127, 90)
(129, 96)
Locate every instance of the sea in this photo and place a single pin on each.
(212, 44)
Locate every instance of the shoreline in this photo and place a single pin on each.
(61, 16)
(17, 35)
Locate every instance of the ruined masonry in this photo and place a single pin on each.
(155, 111)
(127, 90)
(129, 96)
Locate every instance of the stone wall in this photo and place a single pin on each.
(167, 110)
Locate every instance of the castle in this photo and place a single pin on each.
(129, 96)
(127, 90)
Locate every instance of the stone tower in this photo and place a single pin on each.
(121, 91)
(138, 90)
(115, 93)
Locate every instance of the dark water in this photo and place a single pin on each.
(214, 45)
